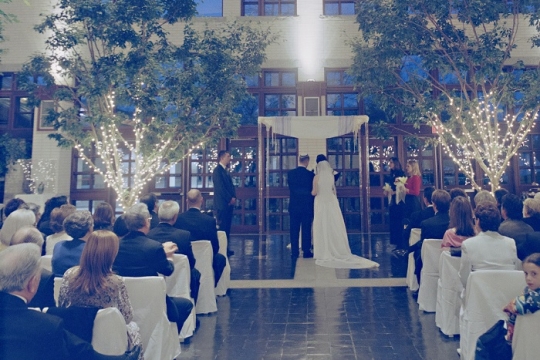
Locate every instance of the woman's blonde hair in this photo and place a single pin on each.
(96, 261)
(415, 167)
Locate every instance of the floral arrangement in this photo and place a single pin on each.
(388, 191)
(400, 188)
(400, 180)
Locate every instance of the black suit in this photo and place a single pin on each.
(166, 232)
(414, 222)
(432, 228)
(140, 256)
(300, 208)
(203, 227)
(45, 293)
(28, 334)
(224, 191)
(527, 244)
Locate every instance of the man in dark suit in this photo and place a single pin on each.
(433, 228)
(224, 195)
(151, 202)
(415, 220)
(165, 231)
(140, 256)
(202, 227)
(29, 334)
(301, 207)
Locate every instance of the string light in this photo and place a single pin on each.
(39, 172)
(482, 139)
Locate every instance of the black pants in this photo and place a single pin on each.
(395, 213)
(300, 220)
(218, 264)
(224, 221)
(195, 284)
(178, 310)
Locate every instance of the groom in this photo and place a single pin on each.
(301, 207)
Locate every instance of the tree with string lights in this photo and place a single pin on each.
(459, 66)
(135, 77)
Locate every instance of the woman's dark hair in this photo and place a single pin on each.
(52, 203)
(454, 193)
(499, 194)
(513, 206)
(103, 216)
(533, 259)
(58, 215)
(12, 205)
(397, 164)
(489, 216)
(461, 216)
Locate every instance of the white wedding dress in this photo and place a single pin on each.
(330, 241)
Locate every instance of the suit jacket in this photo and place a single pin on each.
(182, 238)
(45, 293)
(527, 244)
(224, 189)
(513, 228)
(300, 185)
(533, 221)
(417, 217)
(28, 334)
(200, 226)
(435, 227)
(139, 256)
(488, 250)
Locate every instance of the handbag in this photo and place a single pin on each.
(492, 345)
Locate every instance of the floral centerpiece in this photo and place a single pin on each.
(401, 191)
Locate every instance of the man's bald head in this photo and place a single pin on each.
(194, 198)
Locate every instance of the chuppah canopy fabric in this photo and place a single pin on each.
(314, 127)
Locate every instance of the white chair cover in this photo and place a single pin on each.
(159, 336)
(56, 291)
(411, 280)
(427, 295)
(178, 286)
(223, 283)
(109, 335)
(449, 290)
(46, 262)
(525, 344)
(206, 303)
(486, 294)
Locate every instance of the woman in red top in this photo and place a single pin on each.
(412, 186)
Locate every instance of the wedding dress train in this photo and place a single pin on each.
(330, 241)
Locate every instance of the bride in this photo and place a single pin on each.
(330, 242)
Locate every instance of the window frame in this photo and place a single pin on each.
(261, 11)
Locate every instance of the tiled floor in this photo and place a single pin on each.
(275, 311)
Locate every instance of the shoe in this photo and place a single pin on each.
(414, 294)
(230, 253)
(308, 255)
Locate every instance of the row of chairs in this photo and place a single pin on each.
(472, 312)
(160, 338)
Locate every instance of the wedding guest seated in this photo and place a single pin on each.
(28, 334)
(140, 256)
(527, 244)
(461, 226)
(103, 217)
(482, 197)
(152, 203)
(56, 223)
(16, 220)
(529, 302)
(165, 231)
(202, 227)
(454, 193)
(432, 228)
(67, 253)
(531, 213)
(52, 203)
(45, 294)
(499, 194)
(416, 219)
(120, 228)
(93, 284)
(35, 208)
(11, 206)
(512, 213)
(488, 250)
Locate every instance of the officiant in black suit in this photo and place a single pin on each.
(224, 195)
(301, 207)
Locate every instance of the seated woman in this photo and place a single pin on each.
(488, 250)
(67, 253)
(93, 284)
(461, 225)
(16, 220)
(529, 302)
(103, 217)
(531, 213)
(56, 223)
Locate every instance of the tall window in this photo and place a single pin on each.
(202, 163)
(268, 7)
(338, 7)
(279, 87)
(341, 99)
(15, 112)
(529, 161)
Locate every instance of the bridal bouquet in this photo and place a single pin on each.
(388, 191)
(400, 188)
